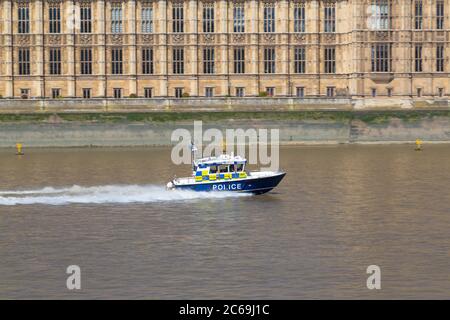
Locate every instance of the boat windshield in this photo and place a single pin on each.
(212, 169)
(223, 168)
(239, 167)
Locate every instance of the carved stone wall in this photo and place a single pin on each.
(357, 33)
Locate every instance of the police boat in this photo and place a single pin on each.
(226, 173)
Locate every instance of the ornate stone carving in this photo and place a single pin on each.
(117, 39)
(178, 38)
(381, 35)
(209, 37)
(54, 39)
(329, 37)
(268, 3)
(440, 35)
(299, 37)
(418, 36)
(23, 39)
(238, 38)
(269, 38)
(147, 38)
(85, 39)
(54, 2)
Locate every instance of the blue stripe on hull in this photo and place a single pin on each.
(256, 185)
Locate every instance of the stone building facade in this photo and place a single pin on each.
(170, 48)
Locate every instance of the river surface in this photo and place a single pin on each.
(339, 210)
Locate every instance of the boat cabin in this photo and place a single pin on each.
(223, 167)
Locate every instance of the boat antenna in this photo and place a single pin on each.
(193, 149)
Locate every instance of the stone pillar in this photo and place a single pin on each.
(100, 26)
(130, 14)
(70, 51)
(252, 53)
(7, 48)
(401, 50)
(222, 10)
(163, 13)
(356, 81)
(190, 27)
(408, 57)
(38, 53)
(192, 49)
(429, 11)
(222, 67)
(282, 29)
(316, 50)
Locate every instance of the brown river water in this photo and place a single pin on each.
(339, 210)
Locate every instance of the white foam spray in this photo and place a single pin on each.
(105, 194)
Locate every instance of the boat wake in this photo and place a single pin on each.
(105, 194)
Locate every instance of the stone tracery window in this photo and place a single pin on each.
(418, 67)
(147, 17)
(116, 17)
(208, 17)
(85, 17)
(54, 17)
(86, 61)
(440, 58)
(299, 17)
(238, 17)
(269, 60)
(24, 61)
(381, 57)
(178, 17)
(55, 60)
(208, 60)
(330, 60)
(239, 60)
(117, 61)
(178, 60)
(147, 60)
(380, 15)
(269, 17)
(330, 17)
(23, 17)
(440, 14)
(418, 14)
(300, 59)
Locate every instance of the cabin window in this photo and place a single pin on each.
(223, 168)
(240, 167)
(212, 169)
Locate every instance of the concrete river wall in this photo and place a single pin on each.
(57, 132)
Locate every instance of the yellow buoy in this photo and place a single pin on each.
(19, 149)
(418, 145)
